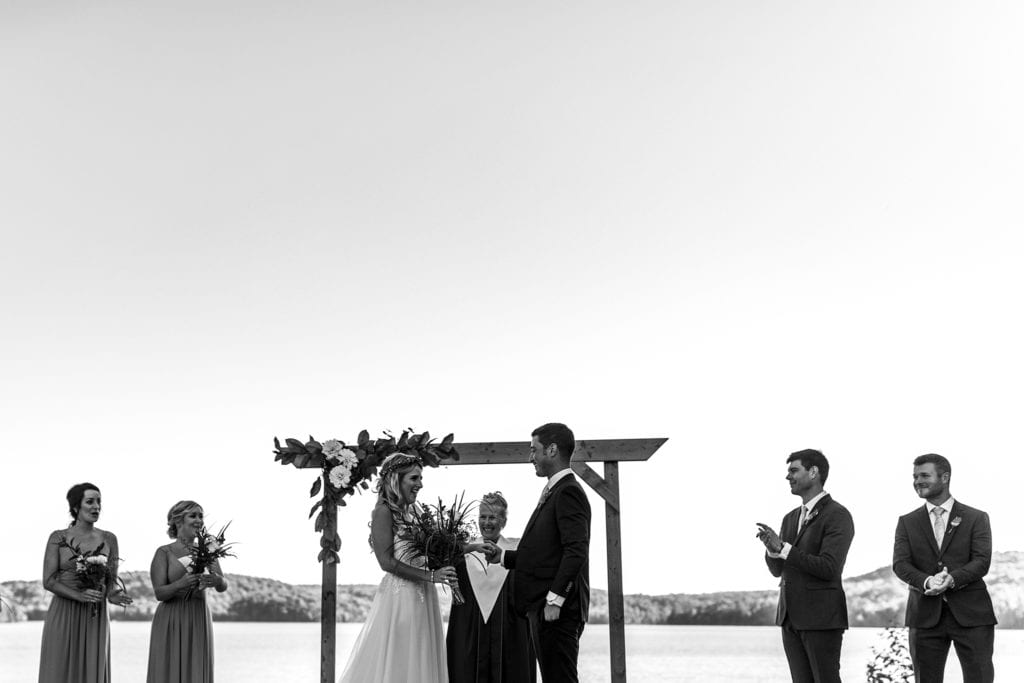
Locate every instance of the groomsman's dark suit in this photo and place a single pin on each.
(812, 603)
(552, 557)
(963, 614)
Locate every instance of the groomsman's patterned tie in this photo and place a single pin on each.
(804, 514)
(939, 525)
(543, 496)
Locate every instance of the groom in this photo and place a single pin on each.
(552, 585)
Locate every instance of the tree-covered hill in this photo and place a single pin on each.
(875, 599)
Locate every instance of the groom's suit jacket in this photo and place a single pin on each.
(966, 552)
(553, 552)
(811, 591)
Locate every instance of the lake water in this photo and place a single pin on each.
(290, 653)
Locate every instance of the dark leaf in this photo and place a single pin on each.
(320, 557)
(316, 487)
(364, 438)
(301, 459)
(448, 440)
(296, 445)
(315, 506)
(314, 446)
(403, 442)
(277, 444)
(318, 525)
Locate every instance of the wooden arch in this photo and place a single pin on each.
(609, 451)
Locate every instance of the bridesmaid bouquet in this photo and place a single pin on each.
(206, 549)
(90, 568)
(439, 535)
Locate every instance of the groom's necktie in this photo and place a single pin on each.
(939, 525)
(543, 496)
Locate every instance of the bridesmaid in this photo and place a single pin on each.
(181, 642)
(76, 634)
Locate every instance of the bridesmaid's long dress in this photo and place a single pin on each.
(76, 641)
(181, 641)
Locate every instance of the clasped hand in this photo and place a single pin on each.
(491, 551)
(939, 584)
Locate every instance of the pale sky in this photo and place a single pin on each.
(749, 227)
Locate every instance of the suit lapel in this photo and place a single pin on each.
(812, 516)
(547, 501)
(951, 528)
(925, 523)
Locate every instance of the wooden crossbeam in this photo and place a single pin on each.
(513, 452)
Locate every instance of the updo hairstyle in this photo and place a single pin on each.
(177, 513)
(75, 495)
(497, 501)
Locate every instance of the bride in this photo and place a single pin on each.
(402, 639)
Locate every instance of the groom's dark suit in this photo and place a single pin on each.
(812, 603)
(553, 557)
(963, 614)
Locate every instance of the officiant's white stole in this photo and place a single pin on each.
(486, 579)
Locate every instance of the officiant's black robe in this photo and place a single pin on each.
(496, 652)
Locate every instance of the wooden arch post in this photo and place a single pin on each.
(610, 452)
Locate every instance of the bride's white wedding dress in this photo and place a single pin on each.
(403, 639)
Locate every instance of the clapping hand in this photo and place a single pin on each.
(939, 583)
(767, 535)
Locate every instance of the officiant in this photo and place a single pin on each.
(487, 641)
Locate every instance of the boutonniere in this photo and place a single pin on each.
(954, 523)
(811, 517)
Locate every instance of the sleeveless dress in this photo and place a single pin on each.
(76, 641)
(403, 639)
(181, 640)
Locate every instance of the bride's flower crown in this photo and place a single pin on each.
(399, 461)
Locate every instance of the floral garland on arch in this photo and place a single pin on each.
(348, 469)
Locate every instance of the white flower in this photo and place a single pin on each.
(348, 458)
(212, 545)
(333, 449)
(97, 559)
(340, 476)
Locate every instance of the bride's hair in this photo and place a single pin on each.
(389, 492)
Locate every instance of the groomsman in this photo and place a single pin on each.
(942, 551)
(809, 555)
(552, 582)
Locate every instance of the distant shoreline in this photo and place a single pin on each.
(876, 599)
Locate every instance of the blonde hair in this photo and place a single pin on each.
(177, 513)
(389, 491)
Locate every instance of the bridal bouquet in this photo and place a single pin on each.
(439, 535)
(206, 549)
(91, 570)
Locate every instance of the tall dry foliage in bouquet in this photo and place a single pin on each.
(439, 534)
(347, 469)
(206, 549)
